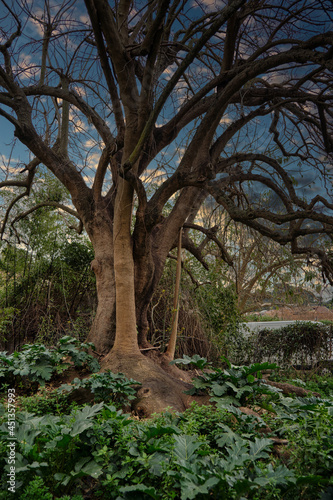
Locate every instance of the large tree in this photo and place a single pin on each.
(227, 99)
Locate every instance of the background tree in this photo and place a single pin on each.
(261, 269)
(118, 86)
(46, 286)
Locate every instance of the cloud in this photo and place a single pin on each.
(157, 176)
(26, 67)
(88, 179)
(36, 25)
(225, 120)
(209, 5)
(79, 90)
(84, 18)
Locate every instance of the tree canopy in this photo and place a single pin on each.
(228, 100)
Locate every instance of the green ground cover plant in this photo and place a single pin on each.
(107, 387)
(37, 363)
(217, 451)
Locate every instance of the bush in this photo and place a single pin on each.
(303, 343)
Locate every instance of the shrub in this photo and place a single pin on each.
(303, 343)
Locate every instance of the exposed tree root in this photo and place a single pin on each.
(160, 389)
(292, 389)
(163, 385)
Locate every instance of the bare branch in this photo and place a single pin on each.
(50, 203)
(211, 235)
(27, 183)
(227, 12)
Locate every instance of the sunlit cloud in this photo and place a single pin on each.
(225, 120)
(26, 67)
(84, 18)
(209, 5)
(36, 25)
(156, 176)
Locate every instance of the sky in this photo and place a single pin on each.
(86, 154)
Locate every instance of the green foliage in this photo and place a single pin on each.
(314, 454)
(322, 384)
(304, 343)
(235, 385)
(205, 421)
(46, 402)
(37, 363)
(218, 303)
(107, 387)
(37, 490)
(7, 315)
(54, 447)
(206, 452)
(194, 360)
(77, 255)
(258, 317)
(78, 352)
(208, 315)
(47, 279)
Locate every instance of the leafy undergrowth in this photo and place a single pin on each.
(282, 450)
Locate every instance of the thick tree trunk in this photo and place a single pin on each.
(103, 329)
(126, 341)
(145, 285)
(128, 269)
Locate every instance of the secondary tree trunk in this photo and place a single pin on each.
(103, 329)
(102, 332)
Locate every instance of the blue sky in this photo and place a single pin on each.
(254, 138)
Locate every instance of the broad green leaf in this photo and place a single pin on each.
(62, 478)
(257, 448)
(223, 404)
(229, 437)
(89, 411)
(218, 390)
(186, 446)
(281, 475)
(224, 401)
(92, 469)
(131, 491)
(79, 426)
(80, 463)
(257, 367)
(196, 360)
(153, 432)
(190, 490)
(42, 369)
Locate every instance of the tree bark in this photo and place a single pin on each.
(170, 352)
(102, 332)
(126, 340)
